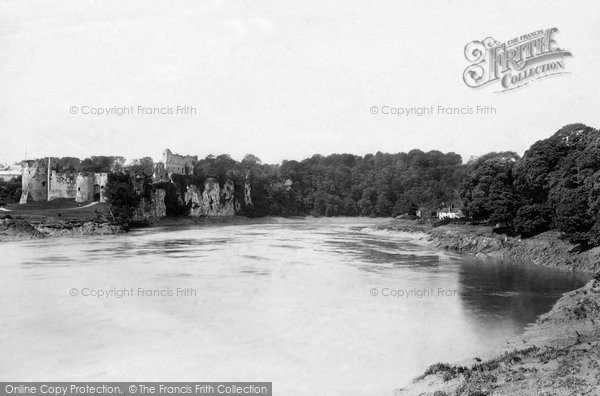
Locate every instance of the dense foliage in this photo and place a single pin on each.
(342, 184)
(123, 193)
(10, 190)
(556, 185)
(487, 191)
(95, 164)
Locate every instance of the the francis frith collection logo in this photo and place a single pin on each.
(516, 62)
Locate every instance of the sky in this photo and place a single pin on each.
(278, 79)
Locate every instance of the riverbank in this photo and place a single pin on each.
(558, 355)
(37, 226)
(57, 218)
(546, 249)
(24, 229)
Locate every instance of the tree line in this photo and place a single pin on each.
(555, 185)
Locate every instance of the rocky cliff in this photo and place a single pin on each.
(214, 200)
(151, 209)
(247, 193)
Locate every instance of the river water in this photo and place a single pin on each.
(318, 307)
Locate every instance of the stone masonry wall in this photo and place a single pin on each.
(34, 179)
(62, 185)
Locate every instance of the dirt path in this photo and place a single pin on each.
(86, 206)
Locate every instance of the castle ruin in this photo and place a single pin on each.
(179, 164)
(40, 184)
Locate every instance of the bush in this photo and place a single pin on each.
(533, 219)
(10, 191)
(120, 191)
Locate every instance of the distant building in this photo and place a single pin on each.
(91, 187)
(8, 172)
(450, 213)
(159, 173)
(179, 164)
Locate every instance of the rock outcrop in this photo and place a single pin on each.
(36, 228)
(150, 210)
(194, 196)
(247, 191)
(229, 206)
(63, 229)
(17, 229)
(213, 201)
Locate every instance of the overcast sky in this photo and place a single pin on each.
(279, 79)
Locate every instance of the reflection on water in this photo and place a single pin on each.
(289, 302)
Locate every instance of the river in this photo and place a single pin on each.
(317, 306)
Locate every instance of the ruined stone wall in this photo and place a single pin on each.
(62, 185)
(34, 179)
(101, 180)
(160, 173)
(179, 164)
(91, 187)
(85, 187)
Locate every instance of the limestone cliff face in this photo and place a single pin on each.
(213, 201)
(229, 206)
(247, 191)
(152, 209)
(194, 196)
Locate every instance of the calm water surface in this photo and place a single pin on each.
(290, 302)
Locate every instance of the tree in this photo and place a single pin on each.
(141, 166)
(487, 190)
(558, 184)
(10, 190)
